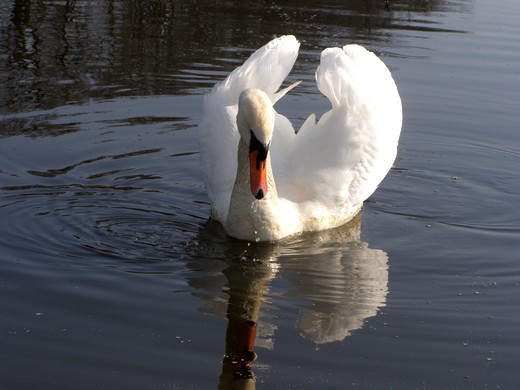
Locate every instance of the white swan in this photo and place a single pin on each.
(264, 181)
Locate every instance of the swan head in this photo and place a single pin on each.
(255, 122)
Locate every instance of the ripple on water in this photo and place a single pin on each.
(120, 188)
(473, 192)
(132, 228)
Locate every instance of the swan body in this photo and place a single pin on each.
(267, 182)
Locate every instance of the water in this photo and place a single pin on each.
(111, 273)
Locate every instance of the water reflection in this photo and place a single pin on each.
(334, 278)
(55, 53)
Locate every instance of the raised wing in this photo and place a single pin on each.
(266, 69)
(347, 153)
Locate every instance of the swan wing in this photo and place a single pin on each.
(346, 154)
(265, 69)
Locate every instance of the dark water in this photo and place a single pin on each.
(111, 274)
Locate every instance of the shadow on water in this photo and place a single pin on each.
(336, 280)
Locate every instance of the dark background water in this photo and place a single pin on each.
(111, 274)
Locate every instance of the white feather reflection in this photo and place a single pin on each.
(342, 288)
(334, 277)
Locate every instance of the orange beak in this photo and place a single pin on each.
(258, 175)
(246, 338)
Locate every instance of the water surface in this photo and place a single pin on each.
(112, 274)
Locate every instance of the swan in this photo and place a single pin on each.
(266, 181)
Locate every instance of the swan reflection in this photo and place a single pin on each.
(333, 277)
(341, 287)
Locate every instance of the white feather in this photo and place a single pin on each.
(325, 172)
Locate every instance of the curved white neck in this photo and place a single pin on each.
(248, 217)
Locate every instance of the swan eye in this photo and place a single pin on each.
(256, 146)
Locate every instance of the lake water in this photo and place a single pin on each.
(111, 273)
